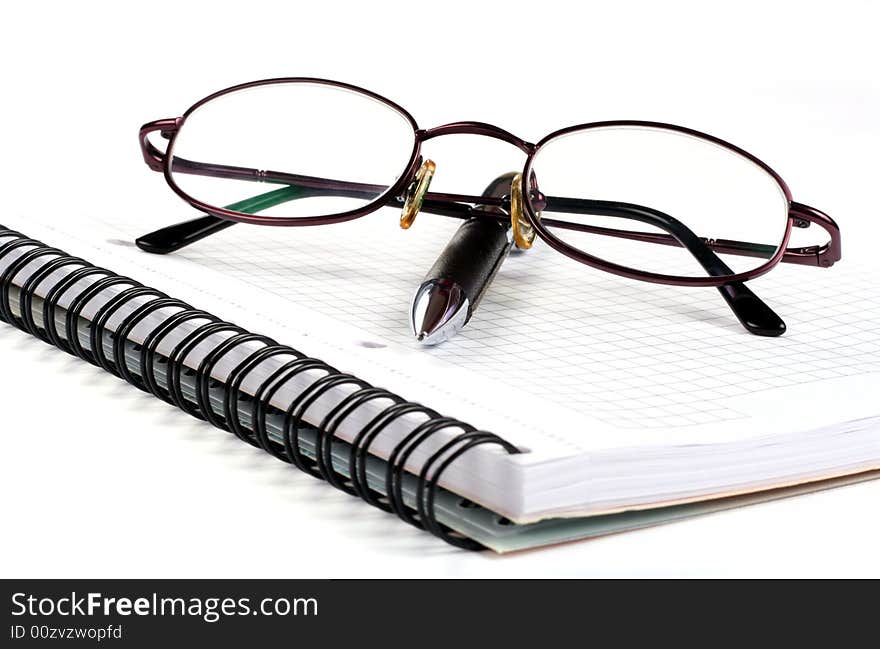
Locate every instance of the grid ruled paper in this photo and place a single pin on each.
(629, 353)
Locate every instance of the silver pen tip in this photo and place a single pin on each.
(439, 311)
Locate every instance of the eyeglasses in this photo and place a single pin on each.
(643, 200)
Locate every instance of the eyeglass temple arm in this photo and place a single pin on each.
(456, 205)
(752, 312)
(180, 235)
(174, 237)
(177, 236)
(824, 255)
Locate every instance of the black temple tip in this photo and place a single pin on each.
(754, 314)
(180, 235)
(155, 243)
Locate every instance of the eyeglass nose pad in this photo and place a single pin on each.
(523, 232)
(415, 195)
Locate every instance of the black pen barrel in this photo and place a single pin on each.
(472, 257)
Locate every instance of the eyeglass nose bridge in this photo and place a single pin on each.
(476, 128)
(416, 191)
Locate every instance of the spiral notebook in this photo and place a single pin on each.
(546, 421)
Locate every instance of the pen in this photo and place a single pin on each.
(457, 281)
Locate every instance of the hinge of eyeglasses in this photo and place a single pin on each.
(806, 250)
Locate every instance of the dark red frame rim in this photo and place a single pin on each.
(480, 128)
(632, 273)
(396, 188)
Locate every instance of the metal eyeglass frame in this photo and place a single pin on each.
(752, 312)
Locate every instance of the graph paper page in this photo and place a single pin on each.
(598, 360)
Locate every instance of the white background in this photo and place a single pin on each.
(98, 480)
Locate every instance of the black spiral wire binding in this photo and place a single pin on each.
(426, 491)
(76, 308)
(206, 368)
(231, 396)
(267, 391)
(324, 450)
(173, 316)
(102, 317)
(179, 355)
(357, 461)
(124, 332)
(51, 301)
(401, 453)
(150, 348)
(26, 298)
(294, 417)
(7, 276)
(5, 307)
